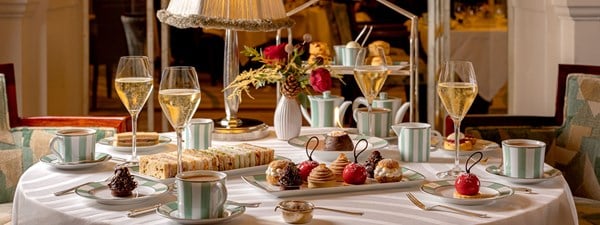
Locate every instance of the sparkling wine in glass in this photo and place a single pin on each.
(370, 80)
(179, 97)
(457, 88)
(134, 84)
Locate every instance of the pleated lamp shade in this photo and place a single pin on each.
(244, 15)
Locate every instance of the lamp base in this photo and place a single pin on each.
(250, 129)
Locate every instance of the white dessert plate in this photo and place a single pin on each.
(54, 161)
(483, 146)
(330, 156)
(100, 192)
(410, 178)
(108, 141)
(169, 211)
(549, 172)
(443, 190)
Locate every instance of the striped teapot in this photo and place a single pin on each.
(325, 110)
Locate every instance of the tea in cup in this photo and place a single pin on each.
(198, 134)
(201, 194)
(74, 145)
(523, 158)
(414, 140)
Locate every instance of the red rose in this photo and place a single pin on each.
(320, 79)
(275, 53)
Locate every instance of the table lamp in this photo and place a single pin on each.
(233, 16)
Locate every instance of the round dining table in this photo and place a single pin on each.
(550, 203)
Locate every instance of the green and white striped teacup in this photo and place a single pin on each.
(523, 158)
(74, 145)
(198, 134)
(201, 194)
(414, 141)
(375, 123)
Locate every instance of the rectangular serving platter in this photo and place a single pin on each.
(410, 178)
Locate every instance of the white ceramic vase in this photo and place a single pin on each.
(287, 119)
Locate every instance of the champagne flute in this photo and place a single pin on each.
(457, 88)
(134, 84)
(370, 80)
(179, 97)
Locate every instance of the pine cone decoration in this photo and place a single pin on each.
(291, 87)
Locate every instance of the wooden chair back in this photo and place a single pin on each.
(10, 102)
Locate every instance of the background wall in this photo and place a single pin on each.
(45, 39)
(543, 34)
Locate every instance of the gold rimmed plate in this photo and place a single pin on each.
(444, 191)
(54, 161)
(100, 192)
(549, 172)
(483, 146)
(109, 142)
(170, 211)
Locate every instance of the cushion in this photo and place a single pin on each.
(576, 151)
(31, 143)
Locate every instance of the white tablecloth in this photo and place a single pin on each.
(34, 202)
(488, 50)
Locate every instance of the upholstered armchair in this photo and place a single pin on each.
(23, 140)
(572, 135)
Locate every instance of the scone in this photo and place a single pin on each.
(378, 61)
(321, 177)
(319, 51)
(466, 142)
(382, 44)
(275, 170)
(338, 165)
(338, 141)
(388, 170)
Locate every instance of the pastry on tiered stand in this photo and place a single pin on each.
(319, 53)
(388, 170)
(338, 141)
(376, 58)
(122, 183)
(337, 166)
(321, 177)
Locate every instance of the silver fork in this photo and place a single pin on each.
(420, 204)
(68, 190)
